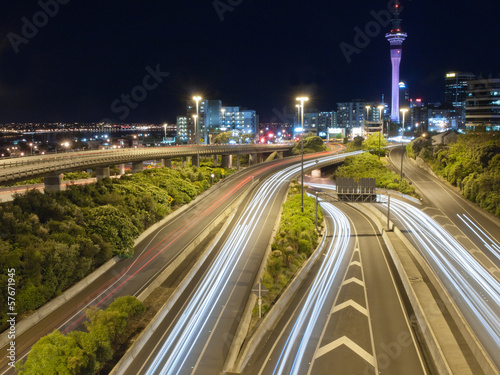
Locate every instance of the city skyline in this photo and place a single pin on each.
(70, 62)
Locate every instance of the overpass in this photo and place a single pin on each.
(52, 166)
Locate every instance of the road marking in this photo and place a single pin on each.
(350, 344)
(350, 303)
(354, 280)
(355, 263)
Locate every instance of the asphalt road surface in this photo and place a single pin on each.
(362, 326)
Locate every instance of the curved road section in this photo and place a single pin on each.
(196, 338)
(475, 291)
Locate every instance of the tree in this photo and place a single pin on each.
(371, 144)
(55, 354)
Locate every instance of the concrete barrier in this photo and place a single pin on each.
(243, 326)
(47, 309)
(145, 335)
(445, 351)
(237, 360)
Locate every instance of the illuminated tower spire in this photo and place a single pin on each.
(396, 38)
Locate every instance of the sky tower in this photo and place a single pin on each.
(396, 38)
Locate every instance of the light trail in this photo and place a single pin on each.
(475, 291)
(178, 345)
(488, 242)
(293, 356)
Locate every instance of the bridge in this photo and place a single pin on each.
(52, 166)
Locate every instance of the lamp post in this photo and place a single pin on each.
(31, 146)
(403, 110)
(380, 109)
(195, 117)
(197, 100)
(164, 133)
(302, 100)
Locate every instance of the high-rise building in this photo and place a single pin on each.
(483, 104)
(396, 38)
(236, 118)
(182, 129)
(455, 93)
(351, 114)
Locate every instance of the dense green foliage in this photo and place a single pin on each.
(471, 163)
(55, 239)
(371, 144)
(369, 166)
(312, 144)
(83, 352)
(294, 243)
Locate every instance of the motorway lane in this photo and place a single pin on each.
(474, 290)
(477, 230)
(153, 254)
(199, 337)
(352, 333)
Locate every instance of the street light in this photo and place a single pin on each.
(197, 100)
(403, 110)
(31, 146)
(195, 117)
(298, 111)
(165, 133)
(380, 109)
(302, 100)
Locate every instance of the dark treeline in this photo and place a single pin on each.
(53, 240)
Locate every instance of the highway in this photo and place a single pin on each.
(461, 242)
(24, 168)
(474, 228)
(153, 254)
(473, 289)
(339, 320)
(196, 337)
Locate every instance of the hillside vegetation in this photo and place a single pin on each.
(79, 352)
(369, 166)
(472, 163)
(53, 240)
(293, 244)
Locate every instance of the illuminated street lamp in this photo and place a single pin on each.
(165, 133)
(403, 110)
(195, 117)
(197, 100)
(302, 100)
(380, 109)
(31, 146)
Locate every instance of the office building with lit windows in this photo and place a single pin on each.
(455, 93)
(483, 105)
(214, 119)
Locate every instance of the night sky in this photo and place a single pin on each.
(256, 54)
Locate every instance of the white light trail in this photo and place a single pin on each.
(293, 354)
(488, 242)
(186, 331)
(475, 291)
